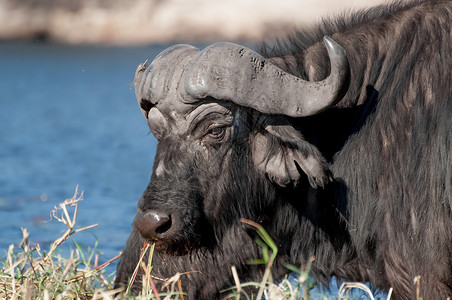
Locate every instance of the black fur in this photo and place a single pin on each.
(385, 218)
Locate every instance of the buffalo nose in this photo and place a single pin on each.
(152, 225)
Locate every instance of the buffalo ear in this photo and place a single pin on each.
(280, 152)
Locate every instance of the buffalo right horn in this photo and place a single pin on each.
(235, 73)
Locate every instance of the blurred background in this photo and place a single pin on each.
(68, 114)
(137, 22)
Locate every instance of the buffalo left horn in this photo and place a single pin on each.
(235, 73)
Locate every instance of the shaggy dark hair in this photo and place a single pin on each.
(386, 216)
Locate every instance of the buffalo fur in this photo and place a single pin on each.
(386, 216)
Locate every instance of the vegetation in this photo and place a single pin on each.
(31, 273)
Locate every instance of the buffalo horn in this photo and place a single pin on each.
(235, 73)
(159, 80)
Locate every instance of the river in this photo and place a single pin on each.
(68, 118)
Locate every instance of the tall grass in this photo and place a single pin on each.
(29, 272)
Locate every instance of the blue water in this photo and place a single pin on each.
(68, 117)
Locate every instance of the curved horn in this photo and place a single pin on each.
(159, 80)
(238, 74)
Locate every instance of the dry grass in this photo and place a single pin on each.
(32, 273)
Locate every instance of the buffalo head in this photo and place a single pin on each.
(226, 143)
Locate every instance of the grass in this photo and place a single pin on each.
(33, 273)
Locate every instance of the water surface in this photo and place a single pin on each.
(68, 117)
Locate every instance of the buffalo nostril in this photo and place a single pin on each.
(146, 105)
(164, 224)
(152, 224)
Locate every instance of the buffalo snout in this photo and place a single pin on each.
(153, 225)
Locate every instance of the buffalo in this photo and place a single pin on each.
(336, 139)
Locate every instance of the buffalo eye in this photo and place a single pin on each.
(216, 132)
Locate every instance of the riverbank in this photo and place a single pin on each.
(138, 22)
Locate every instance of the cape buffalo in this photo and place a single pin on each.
(337, 140)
